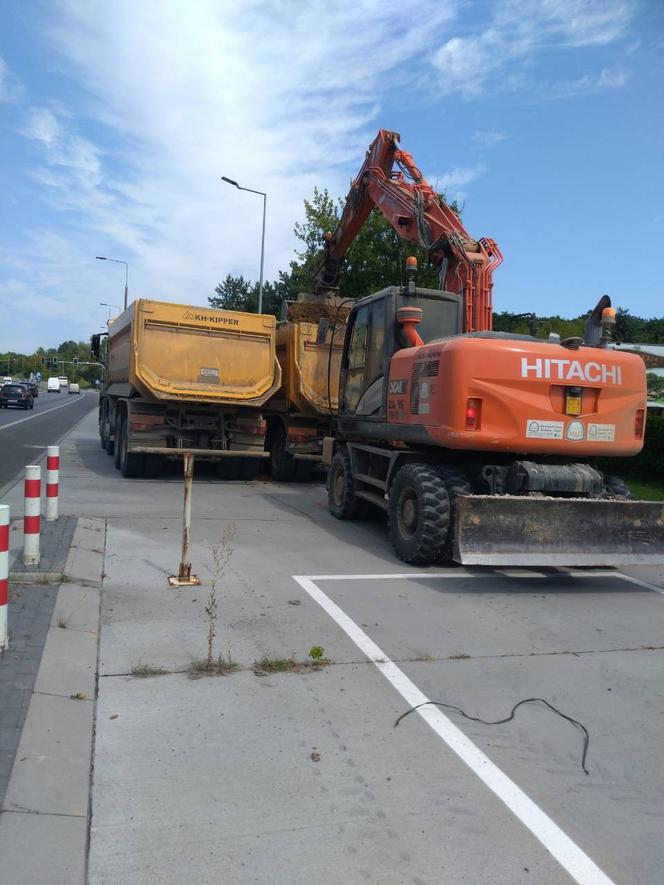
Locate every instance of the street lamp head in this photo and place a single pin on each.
(101, 258)
(230, 181)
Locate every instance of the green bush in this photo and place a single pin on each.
(649, 464)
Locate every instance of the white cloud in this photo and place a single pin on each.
(487, 138)
(10, 89)
(605, 79)
(279, 96)
(518, 31)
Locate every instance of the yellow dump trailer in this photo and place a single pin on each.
(180, 377)
(309, 347)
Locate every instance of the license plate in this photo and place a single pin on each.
(573, 405)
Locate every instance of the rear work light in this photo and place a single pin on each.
(638, 423)
(573, 400)
(473, 414)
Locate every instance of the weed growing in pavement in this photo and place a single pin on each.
(274, 665)
(63, 623)
(220, 666)
(220, 555)
(79, 696)
(317, 655)
(144, 671)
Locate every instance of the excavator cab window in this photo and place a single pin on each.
(365, 360)
(441, 316)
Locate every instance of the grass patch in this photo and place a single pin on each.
(646, 491)
(144, 671)
(460, 656)
(274, 665)
(220, 666)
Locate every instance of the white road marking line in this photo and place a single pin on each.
(639, 582)
(568, 854)
(38, 414)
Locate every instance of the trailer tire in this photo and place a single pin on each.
(131, 463)
(615, 487)
(116, 446)
(282, 464)
(105, 430)
(419, 514)
(341, 499)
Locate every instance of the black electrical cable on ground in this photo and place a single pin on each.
(579, 725)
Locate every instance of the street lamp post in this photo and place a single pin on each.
(109, 306)
(264, 196)
(119, 261)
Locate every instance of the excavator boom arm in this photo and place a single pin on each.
(420, 216)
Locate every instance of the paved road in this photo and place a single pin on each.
(24, 435)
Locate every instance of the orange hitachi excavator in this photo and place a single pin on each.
(477, 443)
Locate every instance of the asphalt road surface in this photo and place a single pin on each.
(24, 435)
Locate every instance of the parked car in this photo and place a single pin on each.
(74, 387)
(63, 381)
(53, 385)
(16, 395)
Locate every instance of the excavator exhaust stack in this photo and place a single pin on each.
(538, 531)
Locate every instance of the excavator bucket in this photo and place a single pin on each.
(510, 530)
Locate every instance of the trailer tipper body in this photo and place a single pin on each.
(301, 413)
(180, 377)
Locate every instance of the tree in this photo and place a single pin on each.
(236, 293)
(375, 259)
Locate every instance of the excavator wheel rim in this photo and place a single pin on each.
(408, 515)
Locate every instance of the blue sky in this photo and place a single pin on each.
(545, 117)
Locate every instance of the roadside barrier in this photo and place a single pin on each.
(52, 481)
(4, 575)
(31, 518)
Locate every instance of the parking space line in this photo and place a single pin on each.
(568, 854)
(640, 583)
(38, 414)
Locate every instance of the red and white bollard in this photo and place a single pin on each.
(31, 518)
(4, 575)
(52, 480)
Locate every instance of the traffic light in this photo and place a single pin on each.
(54, 363)
(74, 360)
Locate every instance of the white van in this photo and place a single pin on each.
(63, 381)
(53, 385)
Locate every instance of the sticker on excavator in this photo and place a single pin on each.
(602, 432)
(512, 530)
(536, 429)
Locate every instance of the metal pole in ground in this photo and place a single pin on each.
(31, 518)
(4, 576)
(184, 576)
(52, 482)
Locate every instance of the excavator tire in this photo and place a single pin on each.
(341, 499)
(614, 487)
(457, 483)
(282, 464)
(419, 513)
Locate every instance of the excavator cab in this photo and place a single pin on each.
(374, 334)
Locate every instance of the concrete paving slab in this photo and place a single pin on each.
(227, 787)
(51, 771)
(69, 663)
(89, 539)
(84, 566)
(42, 849)
(77, 608)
